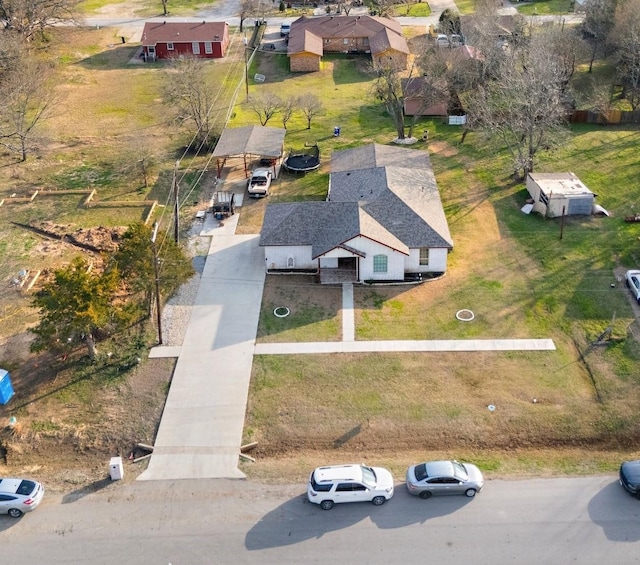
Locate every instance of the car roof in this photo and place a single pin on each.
(439, 468)
(633, 273)
(338, 473)
(632, 470)
(10, 485)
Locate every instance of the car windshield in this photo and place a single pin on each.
(369, 477)
(459, 471)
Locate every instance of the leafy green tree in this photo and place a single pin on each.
(75, 305)
(134, 262)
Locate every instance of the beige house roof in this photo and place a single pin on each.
(387, 40)
(384, 33)
(305, 42)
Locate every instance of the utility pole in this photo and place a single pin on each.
(246, 66)
(176, 208)
(157, 277)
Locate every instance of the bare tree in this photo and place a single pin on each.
(383, 8)
(289, 106)
(164, 7)
(188, 91)
(248, 9)
(310, 106)
(565, 46)
(626, 38)
(25, 99)
(30, 17)
(524, 107)
(265, 106)
(388, 89)
(345, 7)
(598, 22)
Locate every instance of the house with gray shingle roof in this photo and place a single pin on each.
(383, 220)
(310, 38)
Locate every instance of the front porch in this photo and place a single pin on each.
(345, 272)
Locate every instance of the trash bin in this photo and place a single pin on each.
(6, 388)
(336, 131)
(116, 470)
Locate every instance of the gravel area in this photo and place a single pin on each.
(177, 310)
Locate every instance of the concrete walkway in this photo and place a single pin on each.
(435, 345)
(348, 318)
(201, 428)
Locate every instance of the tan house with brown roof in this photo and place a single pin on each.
(310, 38)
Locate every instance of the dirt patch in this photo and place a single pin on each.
(443, 148)
(65, 441)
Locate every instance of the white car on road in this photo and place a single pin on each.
(18, 496)
(349, 483)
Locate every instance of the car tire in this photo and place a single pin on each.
(378, 500)
(326, 504)
(14, 512)
(425, 494)
(470, 492)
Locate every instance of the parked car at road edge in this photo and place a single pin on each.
(337, 484)
(443, 478)
(18, 496)
(630, 477)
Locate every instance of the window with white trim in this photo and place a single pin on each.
(170, 46)
(380, 263)
(208, 47)
(345, 41)
(195, 47)
(424, 255)
(290, 263)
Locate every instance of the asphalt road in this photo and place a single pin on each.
(547, 521)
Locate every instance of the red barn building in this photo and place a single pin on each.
(165, 40)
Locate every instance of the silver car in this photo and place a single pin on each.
(18, 496)
(444, 477)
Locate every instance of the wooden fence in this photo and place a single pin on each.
(610, 117)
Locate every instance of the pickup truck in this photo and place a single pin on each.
(285, 29)
(259, 183)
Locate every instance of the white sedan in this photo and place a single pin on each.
(633, 282)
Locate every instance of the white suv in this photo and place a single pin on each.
(349, 483)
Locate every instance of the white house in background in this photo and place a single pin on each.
(554, 192)
(382, 221)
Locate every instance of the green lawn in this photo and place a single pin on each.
(514, 272)
(545, 7)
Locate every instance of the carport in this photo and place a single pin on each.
(250, 143)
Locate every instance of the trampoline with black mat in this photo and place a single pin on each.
(303, 161)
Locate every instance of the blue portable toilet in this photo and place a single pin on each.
(6, 388)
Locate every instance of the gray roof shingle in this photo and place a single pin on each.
(262, 141)
(387, 194)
